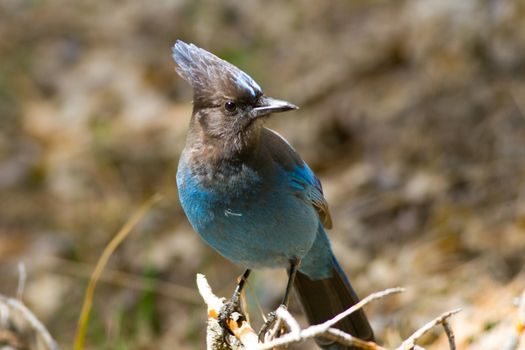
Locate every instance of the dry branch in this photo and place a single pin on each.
(244, 336)
(21, 329)
(514, 340)
(410, 342)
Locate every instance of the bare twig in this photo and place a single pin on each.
(19, 327)
(410, 342)
(22, 278)
(283, 313)
(361, 304)
(514, 340)
(346, 339)
(324, 329)
(246, 338)
(15, 315)
(450, 335)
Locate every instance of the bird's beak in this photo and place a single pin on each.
(267, 105)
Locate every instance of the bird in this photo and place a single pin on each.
(250, 196)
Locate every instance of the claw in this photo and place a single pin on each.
(270, 320)
(233, 306)
(229, 308)
(275, 329)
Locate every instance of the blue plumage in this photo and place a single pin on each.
(249, 195)
(259, 214)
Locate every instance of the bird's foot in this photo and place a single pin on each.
(273, 327)
(230, 308)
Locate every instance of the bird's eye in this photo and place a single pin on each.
(230, 106)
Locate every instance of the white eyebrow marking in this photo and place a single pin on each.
(229, 212)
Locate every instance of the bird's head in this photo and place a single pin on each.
(226, 101)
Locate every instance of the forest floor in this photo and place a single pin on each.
(412, 115)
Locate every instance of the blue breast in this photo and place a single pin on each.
(254, 219)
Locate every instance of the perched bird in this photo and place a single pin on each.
(251, 197)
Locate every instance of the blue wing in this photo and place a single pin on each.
(303, 178)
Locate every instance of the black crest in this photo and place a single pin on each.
(211, 77)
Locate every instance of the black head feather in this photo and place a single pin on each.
(212, 78)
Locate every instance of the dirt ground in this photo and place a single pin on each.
(412, 113)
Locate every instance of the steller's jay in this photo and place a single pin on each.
(251, 197)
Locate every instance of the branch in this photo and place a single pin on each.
(410, 342)
(450, 335)
(20, 327)
(244, 337)
(243, 334)
(514, 339)
(325, 329)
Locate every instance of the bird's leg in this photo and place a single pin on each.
(272, 316)
(234, 304)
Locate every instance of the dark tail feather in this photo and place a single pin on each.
(323, 299)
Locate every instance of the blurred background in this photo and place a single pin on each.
(412, 114)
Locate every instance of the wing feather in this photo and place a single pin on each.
(303, 178)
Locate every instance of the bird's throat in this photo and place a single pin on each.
(220, 144)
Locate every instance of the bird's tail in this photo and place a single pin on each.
(322, 299)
